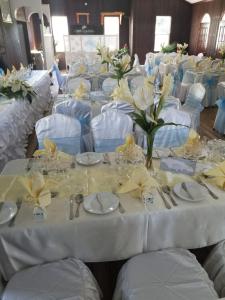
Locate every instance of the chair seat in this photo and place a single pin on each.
(172, 274)
(65, 279)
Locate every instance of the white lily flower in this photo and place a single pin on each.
(125, 61)
(143, 97)
(16, 86)
(122, 92)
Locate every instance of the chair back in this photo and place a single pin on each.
(110, 130)
(63, 130)
(74, 83)
(108, 86)
(119, 106)
(136, 82)
(195, 96)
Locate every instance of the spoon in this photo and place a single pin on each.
(78, 199)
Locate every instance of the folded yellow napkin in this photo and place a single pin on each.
(50, 149)
(192, 145)
(81, 91)
(140, 181)
(103, 69)
(82, 69)
(217, 175)
(36, 188)
(122, 92)
(130, 151)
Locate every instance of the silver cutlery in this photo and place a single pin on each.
(211, 193)
(99, 202)
(166, 189)
(78, 199)
(71, 203)
(167, 205)
(1, 205)
(184, 187)
(18, 205)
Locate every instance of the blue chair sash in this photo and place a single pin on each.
(60, 78)
(107, 145)
(221, 103)
(210, 81)
(69, 145)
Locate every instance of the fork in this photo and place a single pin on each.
(211, 193)
(18, 205)
(166, 189)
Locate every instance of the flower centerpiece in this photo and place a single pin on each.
(121, 63)
(105, 55)
(11, 86)
(182, 48)
(222, 52)
(147, 111)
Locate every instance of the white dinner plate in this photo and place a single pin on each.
(101, 203)
(8, 211)
(89, 158)
(197, 191)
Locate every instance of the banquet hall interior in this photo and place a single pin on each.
(112, 149)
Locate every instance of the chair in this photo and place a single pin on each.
(187, 81)
(210, 82)
(171, 274)
(219, 124)
(63, 130)
(193, 104)
(171, 135)
(136, 83)
(215, 267)
(119, 106)
(108, 86)
(64, 279)
(110, 130)
(74, 83)
(82, 112)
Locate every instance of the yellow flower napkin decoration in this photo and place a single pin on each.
(216, 176)
(37, 191)
(82, 69)
(103, 69)
(130, 151)
(122, 92)
(80, 92)
(192, 145)
(140, 181)
(49, 150)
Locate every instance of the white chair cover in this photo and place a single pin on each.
(172, 274)
(119, 106)
(219, 124)
(54, 85)
(169, 136)
(215, 267)
(98, 96)
(193, 104)
(210, 81)
(65, 279)
(110, 130)
(63, 130)
(74, 83)
(80, 111)
(136, 83)
(108, 86)
(187, 81)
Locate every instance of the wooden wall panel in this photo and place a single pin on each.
(215, 9)
(143, 17)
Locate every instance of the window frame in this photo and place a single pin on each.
(162, 34)
(203, 33)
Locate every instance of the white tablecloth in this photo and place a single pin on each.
(116, 236)
(17, 118)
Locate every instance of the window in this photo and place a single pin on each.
(221, 33)
(60, 28)
(112, 31)
(204, 32)
(162, 31)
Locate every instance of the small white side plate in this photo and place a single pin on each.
(197, 191)
(8, 211)
(89, 158)
(108, 203)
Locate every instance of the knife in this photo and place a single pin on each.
(167, 205)
(184, 187)
(1, 205)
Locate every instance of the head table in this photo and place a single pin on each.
(98, 238)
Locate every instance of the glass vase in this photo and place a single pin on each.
(150, 142)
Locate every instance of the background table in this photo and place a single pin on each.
(17, 118)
